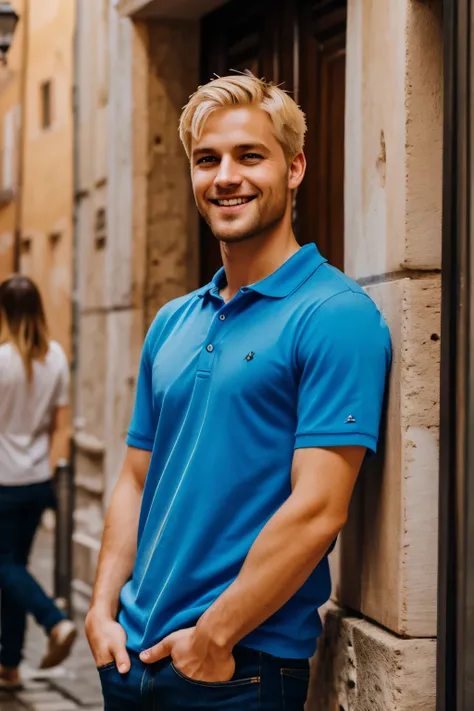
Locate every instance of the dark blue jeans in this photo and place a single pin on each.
(21, 508)
(260, 683)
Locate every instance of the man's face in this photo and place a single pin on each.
(241, 177)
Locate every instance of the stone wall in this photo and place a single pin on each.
(172, 259)
(136, 232)
(385, 567)
(110, 193)
(47, 198)
(10, 123)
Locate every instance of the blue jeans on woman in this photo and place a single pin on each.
(21, 509)
(261, 683)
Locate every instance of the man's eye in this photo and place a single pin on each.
(252, 156)
(206, 159)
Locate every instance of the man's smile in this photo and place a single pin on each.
(232, 204)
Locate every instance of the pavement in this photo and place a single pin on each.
(74, 685)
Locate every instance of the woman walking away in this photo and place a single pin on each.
(34, 383)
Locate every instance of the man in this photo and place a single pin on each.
(258, 397)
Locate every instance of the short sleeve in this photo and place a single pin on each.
(344, 357)
(141, 433)
(61, 398)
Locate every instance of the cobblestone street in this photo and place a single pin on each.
(74, 685)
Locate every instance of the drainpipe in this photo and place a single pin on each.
(75, 152)
(455, 666)
(22, 135)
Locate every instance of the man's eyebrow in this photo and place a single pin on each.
(252, 147)
(241, 147)
(203, 151)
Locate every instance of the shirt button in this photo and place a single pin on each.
(222, 317)
(209, 348)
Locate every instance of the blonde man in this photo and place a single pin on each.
(258, 397)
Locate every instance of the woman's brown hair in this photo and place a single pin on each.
(22, 320)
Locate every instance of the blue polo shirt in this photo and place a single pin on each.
(225, 394)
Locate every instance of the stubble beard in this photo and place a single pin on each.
(257, 229)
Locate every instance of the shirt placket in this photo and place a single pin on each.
(216, 332)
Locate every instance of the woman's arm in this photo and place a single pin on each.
(60, 434)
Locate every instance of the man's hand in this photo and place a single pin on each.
(107, 640)
(193, 655)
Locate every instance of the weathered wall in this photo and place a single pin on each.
(386, 563)
(110, 263)
(10, 117)
(133, 182)
(172, 219)
(47, 203)
(365, 668)
(92, 240)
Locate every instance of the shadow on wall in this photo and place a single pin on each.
(333, 677)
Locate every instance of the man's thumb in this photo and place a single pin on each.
(158, 651)
(122, 660)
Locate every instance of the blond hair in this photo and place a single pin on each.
(22, 320)
(244, 90)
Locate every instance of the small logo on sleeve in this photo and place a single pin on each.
(250, 356)
(350, 420)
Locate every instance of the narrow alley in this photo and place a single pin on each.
(74, 685)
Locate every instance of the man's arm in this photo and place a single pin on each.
(106, 637)
(281, 559)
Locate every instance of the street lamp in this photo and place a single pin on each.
(8, 20)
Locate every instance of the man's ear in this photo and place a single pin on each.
(296, 171)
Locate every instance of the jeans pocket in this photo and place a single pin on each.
(218, 684)
(106, 667)
(294, 688)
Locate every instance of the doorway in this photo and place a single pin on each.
(301, 45)
(455, 673)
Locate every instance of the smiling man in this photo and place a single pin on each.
(258, 397)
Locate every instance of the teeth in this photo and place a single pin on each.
(233, 202)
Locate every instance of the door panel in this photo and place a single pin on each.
(238, 36)
(320, 204)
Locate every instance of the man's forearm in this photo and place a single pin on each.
(282, 558)
(118, 549)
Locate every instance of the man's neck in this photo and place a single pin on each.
(252, 260)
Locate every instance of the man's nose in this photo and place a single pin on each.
(228, 174)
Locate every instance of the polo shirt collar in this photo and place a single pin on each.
(282, 282)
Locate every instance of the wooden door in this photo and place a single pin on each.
(244, 34)
(300, 45)
(322, 52)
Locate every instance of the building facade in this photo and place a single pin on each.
(46, 227)
(36, 195)
(11, 97)
(369, 77)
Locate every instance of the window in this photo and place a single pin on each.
(46, 92)
(54, 239)
(100, 228)
(9, 155)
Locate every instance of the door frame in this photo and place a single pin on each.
(455, 663)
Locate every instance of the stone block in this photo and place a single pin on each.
(86, 551)
(91, 256)
(141, 131)
(92, 368)
(120, 391)
(361, 667)
(393, 138)
(61, 705)
(386, 562)
(424, 134)
(119, 263)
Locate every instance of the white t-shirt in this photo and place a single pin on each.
(26, 410)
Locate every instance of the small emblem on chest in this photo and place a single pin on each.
(350, 419)
(250, 356)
